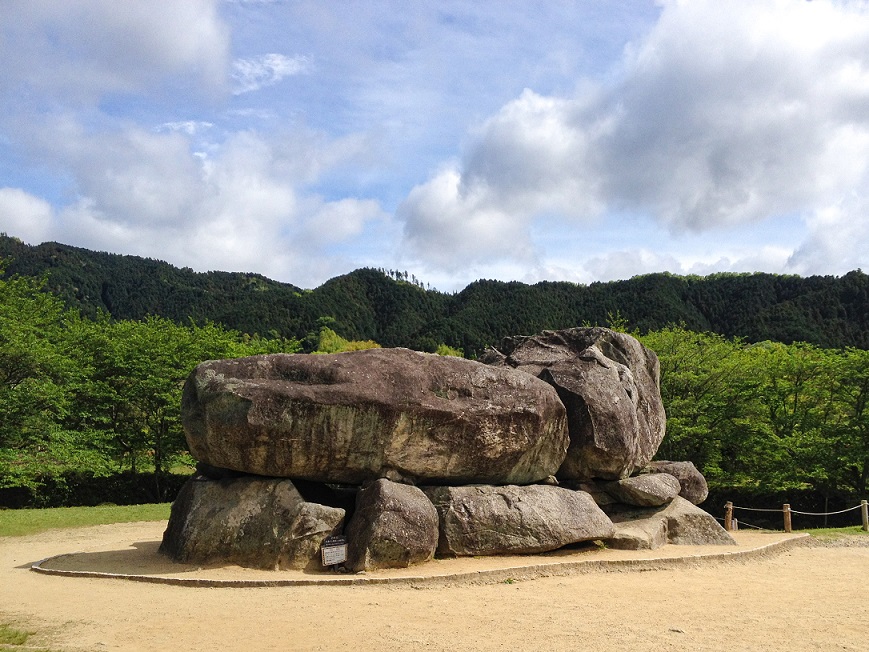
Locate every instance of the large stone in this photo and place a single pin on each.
(693, 485)
(251, 522)
(394, 526)
(609, 383)
(486, 520)
(648, 490)
(688, 525)
(639, 534)
(358, 416)
(679, 523)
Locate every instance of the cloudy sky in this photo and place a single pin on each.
(459, 139)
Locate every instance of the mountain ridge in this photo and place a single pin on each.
(367, 303)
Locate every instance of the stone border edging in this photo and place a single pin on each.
(490, 576)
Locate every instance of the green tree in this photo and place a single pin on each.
(794, 416)
(851, 426)
(330, 342)
(35, 370)
(705, 388)
(443, 349)
(131, 400)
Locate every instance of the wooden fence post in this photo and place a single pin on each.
(865, 509)
(728, 516)
(787, 512)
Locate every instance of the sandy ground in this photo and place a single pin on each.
(803, 598)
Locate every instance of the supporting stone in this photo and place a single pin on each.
(394, 526)
(487, 520)
(249, 521)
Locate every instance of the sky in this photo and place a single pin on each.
(580, 141)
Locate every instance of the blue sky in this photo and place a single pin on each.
(459, 140)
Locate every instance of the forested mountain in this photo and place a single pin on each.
(369, 305)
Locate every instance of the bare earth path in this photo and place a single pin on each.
(800, 599)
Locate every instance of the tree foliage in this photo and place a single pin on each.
(97, 394)
(767, 414)
(328, 341)
(397, 309)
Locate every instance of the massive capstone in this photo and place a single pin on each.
(381, 413)
(609, 383)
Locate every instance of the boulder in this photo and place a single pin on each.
(487, 520)
(380, 413)
(609, 383)
(679, 523)
(394, 526)
(639, 534)
(251, 522)
(651, 490)
(693, 485)
(688, 525)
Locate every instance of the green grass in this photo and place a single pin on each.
(18, 522)
(836, 532)
(11, 636)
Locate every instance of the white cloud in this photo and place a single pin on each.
(133, 175)
(80, 49)
(726, 113)
(246, 206)
(338, 221)
(838, 239)
(266, 70)
(189, 127)
(24, 216)
(614, 265)
(259, 114)
(730, 113)
(451, 225)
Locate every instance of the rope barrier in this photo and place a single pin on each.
(755, 509)
(787, 511)
(741, 523)
(756, 527)
(793, 511)
(841, 511)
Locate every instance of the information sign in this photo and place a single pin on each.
(334, 550)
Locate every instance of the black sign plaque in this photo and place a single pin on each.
(334, 550)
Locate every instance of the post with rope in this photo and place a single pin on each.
(864, 509)
(787, 513)
(728, 516)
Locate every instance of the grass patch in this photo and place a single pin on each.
(837, 532)
(18, 522)
(11, 636)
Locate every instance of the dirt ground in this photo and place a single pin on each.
(802, 598)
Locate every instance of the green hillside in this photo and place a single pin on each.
(368, 304)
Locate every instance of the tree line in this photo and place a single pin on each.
(765, 416)
(396, 309)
